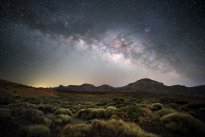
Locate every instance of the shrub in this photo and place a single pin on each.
(58, 121)
(78, 130)
(100, 113)
(85, 113)
(76, 108)
(51, 116)
(35, 131)
(47, 121)
(101, 128)
(64, 118)
(156, 106)
(117, 128)
(111, 110)
(116, 117)
(6, 100)
(183, 123)
(64, 111)
(174, 100)
(8, 125)
(135, 100)
(118, 100)
(165, 111)
(23, 104)
(149, 120)
(144, 112)
(46, 108)
(102, 103)
(133, 112)
(28, 114)
(91, 113)
(142, 105)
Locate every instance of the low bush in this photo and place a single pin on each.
(101, 128)
(165, 111)
(64, 111)
(111, 110)
(46, 108)
(156, 106)
(117, 128)
(118, 100)
(51, 116)
(8, 126)
(28, 114)
(91, 113)
(77, 130)
(135, 100)
(102, 103)
(76, 108)
(6, 100)
(183, 123)
(175, 100)
(142, 105)
(133, 112)
(47, 121)
(35, 131)
(63, 118)
(22, 104)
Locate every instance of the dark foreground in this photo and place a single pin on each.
(102, 115)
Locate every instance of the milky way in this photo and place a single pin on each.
(47, 43)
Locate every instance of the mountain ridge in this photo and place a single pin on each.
(141, 85)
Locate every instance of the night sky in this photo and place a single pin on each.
(48, 43)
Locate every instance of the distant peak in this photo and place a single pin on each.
(60, 86)
(145, 80)
(105, 86)
(148, 81)
(87, 85)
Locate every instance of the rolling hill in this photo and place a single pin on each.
(14, 89)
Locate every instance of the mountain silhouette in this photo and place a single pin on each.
(142, 85)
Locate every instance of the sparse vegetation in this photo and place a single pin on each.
(100, 115)
(156, 106)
